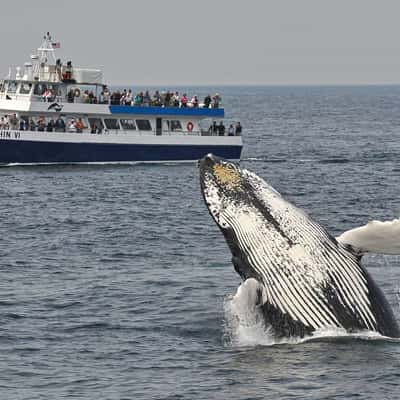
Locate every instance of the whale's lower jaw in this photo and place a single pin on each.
(282, 324)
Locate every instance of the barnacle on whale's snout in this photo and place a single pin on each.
(227, 176)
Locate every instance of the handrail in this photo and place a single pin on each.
(80, 100)
(105, 131)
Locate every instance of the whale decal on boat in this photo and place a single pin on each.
(55, 106)
(307, 279)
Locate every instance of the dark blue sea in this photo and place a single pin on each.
(116, 284)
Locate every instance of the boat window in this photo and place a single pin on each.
(95, 124)
(111, 123)
(2, 87)
(25, 88)
(39, 89)
(143, 124)
(12, 87)
(128, 124)
(56, 89)
(175, 125)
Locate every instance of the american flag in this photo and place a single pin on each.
(56, 45)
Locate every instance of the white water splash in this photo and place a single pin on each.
(245, 326)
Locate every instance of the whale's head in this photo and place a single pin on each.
(251, 214)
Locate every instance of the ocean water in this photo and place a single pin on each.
(116, 284)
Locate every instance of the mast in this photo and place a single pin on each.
(44, 58)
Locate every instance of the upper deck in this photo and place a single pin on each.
(47, 80)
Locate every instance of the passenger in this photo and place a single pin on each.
(122, 99)
(41, 124)
(59, 124)
(176, 99)
(91, 97)
(213, 129)
(116, 98)
(85, 96)
(93, 128)
(71, 126)
(138, 99)
(156, 99)
(216, 100)
(22, 125)
(207, 101)
(146, 99)
(238, 129)
(106, 95)
(48, 95)
(67, 76)
(231, 130)
(32, 125)
(184, 100)
(129, 98)
(79, 125)
(167, 99)
(71, 96)
(221, 129)
(50, 126)
(195, 102)
(58, 69)
(2, 123)
(14, 122)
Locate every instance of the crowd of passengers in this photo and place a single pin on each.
(219, 129)
(146, 99)
(77, 125)
(41, 125)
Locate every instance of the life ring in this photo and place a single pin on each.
(77, 92)
(189, 126)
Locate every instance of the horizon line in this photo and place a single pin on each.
(355, 84)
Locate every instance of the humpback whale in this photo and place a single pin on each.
(306, 279)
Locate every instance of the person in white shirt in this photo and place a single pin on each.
(72, 126)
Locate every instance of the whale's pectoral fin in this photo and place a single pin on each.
(375, 237)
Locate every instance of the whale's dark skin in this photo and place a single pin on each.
(309, 280)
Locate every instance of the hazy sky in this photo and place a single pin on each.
(167, 42)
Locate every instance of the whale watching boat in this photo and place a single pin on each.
(51, 112)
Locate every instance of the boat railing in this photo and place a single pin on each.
(119, 132)
(81, 100)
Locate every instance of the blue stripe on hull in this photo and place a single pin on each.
(17, 151)
(169, 111)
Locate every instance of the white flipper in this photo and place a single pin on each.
(375, 237)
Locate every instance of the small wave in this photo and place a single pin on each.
(252, 159)
(334, 161)
(90, 326)
(264, 159)
(244, 324)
